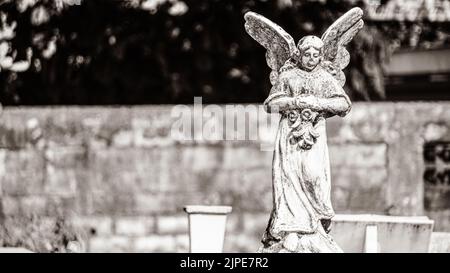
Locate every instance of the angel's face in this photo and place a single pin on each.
(311, 57)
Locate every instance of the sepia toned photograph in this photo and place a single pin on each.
(217, 126)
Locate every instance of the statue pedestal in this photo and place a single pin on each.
(207, 228)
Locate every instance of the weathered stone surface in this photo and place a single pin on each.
(440, 242)
(359, 178)
(394, 233)
(149, 204)
(112, 203)
(182, 243)
(175, 224)
(441, 219)
(234, 223)
(39, 205)
(23, 172)
(134, 226)
(364, 155)
(246, 158)
(62, 205)
(155, 243)
(435, 131)
(154, 123)
(398, 188)
(13, 138)
(437, 197)
(201, 158)
(359, 189)
(25, 205)
(241, 243)
(369, 200)
(111, 244)
(404, 127)
(93, 225)
(254, 224)
(2, 169)
(307, 88)
(129, 169)
(248, 190)
(65, 168)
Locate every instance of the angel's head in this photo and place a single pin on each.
(310, 49)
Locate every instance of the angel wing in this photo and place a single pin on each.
(336, 37)
(279, 44)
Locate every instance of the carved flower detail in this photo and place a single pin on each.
(292, 116)
(303, 133)
(307, 115)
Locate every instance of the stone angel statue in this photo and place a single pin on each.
(307, 88)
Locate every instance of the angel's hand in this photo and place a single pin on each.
(307, 102)
(333, 106)
(281, 104)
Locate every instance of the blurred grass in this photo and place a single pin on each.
(39, 234)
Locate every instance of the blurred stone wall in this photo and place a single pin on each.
(123, 179)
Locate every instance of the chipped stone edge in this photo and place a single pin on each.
(373, 218)
(199, 209)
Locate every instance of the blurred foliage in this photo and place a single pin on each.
(39, 234)
(168, 51)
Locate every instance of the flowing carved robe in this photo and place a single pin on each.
(301, 178)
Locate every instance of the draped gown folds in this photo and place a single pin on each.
(301, 177)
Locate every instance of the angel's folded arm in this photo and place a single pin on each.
(279, 99)
(280, 104)
(333, 102)
(338, 105)
(335, 105)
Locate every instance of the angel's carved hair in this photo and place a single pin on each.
(310, 41)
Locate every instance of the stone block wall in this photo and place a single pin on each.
(120, 174)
